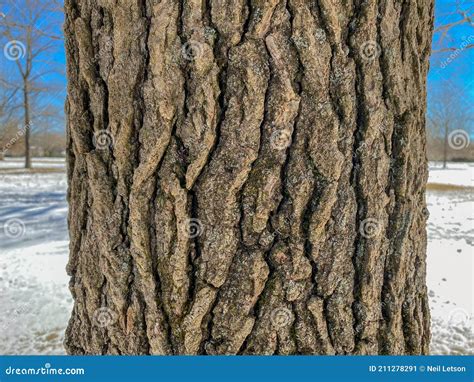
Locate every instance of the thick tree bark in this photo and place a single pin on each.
(247, 177)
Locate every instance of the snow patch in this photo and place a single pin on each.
(36, 302)
(456, 174)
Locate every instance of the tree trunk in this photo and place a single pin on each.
(247, 177)
(445, 147)
(27, 130)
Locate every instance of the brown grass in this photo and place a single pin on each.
(447, 187)
(19, 171)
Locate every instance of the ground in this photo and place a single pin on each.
(34, 293)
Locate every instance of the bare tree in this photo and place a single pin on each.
(8, 135)
(449, 119)
(8, 122)
(28, 40)
(461, 14)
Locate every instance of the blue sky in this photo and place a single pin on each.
(48, 69)
(456, 74)
(453, 69)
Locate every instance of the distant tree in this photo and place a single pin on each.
(8, 122)
(52, 143)
(449, 119)
(8, 136)
(28, 40)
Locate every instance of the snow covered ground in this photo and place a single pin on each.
(16, 165)
(458, 174)
(451, 270)
(450, 257)
(35, 301)
(34, 298)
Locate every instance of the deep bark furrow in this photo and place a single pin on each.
(235, 329)
(278, 92)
